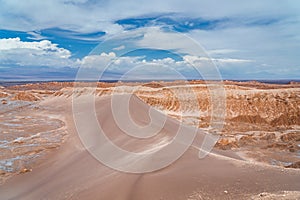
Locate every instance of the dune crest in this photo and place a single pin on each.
(254, 158)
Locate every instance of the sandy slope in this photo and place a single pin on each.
(72, 173)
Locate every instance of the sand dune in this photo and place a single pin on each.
(71, 172)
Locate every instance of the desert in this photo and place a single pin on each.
(256, 156)
(149, 100)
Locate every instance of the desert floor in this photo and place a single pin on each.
(256, 157)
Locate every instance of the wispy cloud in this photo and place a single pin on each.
(119, 48)
(93, 16)
(34, 35)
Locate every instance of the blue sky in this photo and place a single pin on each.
(52, 39)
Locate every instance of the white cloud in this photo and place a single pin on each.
(221, 51)
(35, 36)
(113, 63)
(202, 61)
(277, 44)
(231, 60)
(154, 37)
(13, 51)
(97, 61)
(139, 68)
(119, 48)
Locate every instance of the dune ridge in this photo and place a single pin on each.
(71, 172)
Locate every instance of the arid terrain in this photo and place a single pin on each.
(256, 157)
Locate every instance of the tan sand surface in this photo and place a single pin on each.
(70, 172)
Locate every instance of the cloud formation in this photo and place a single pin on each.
(130, 67)
(13, 51)
(245, 39)
(92, 16)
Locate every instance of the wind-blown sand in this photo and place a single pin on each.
(70, 172)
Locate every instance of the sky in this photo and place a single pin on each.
(112, 39)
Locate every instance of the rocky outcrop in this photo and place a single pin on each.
(254, 119)
(4, 101)
(294, 136)
(287, 120)
(25, 96)
(227, 143)
(294, 165)
(3, 94)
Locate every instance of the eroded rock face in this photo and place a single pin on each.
(252, 106)
(294, 165)
(227, 143)
(4, 101)
(291, 137)
(25, 96)
(287, 119)
(253, 119)
(3, 94)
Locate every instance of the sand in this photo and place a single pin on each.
(71, 172)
